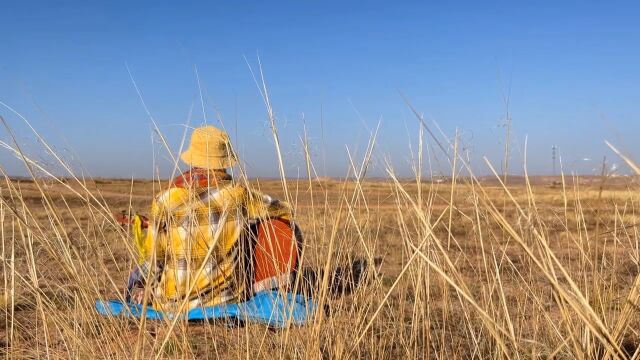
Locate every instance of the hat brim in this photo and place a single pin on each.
(196, 159)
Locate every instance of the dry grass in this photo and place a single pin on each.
(473, 268)
(548, 274)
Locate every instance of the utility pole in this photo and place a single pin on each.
(554, 153)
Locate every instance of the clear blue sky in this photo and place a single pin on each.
(570, 69)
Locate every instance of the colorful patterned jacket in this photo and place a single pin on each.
(195, 246)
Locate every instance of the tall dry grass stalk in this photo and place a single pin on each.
(466, 274)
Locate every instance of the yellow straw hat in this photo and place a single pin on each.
(210, 148)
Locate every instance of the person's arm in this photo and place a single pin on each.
(262, 206)
(151, 251)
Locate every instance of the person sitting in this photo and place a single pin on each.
(211, 240)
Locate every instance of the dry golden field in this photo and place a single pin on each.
(472, 269)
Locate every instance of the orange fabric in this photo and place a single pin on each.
(276, 251)
(200, 178)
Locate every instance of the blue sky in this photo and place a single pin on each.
(569, 68)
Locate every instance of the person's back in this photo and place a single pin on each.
(206, 233)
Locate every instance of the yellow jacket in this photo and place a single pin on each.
(195, 247)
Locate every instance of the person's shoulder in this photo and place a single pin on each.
(231, 193)
(172, 197)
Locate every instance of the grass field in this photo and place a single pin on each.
(471, 269)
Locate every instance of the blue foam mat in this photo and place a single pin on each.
(271, 307)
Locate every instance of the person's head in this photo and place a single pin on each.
(210, 148)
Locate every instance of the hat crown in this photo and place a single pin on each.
(209, 147)
(210, 141)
